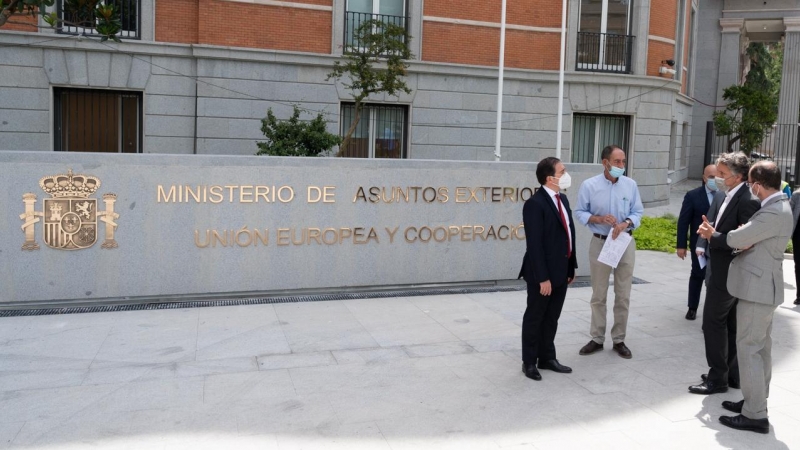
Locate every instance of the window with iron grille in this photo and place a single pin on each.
(360, 11)
(592, 132)
(80, 19)
(381, 131)
(91, 120)
(604, 40)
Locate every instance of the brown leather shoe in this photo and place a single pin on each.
(590, 348)
(623, 351)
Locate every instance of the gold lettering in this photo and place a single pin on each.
(501, 229)
(283, 189)
(374, 194)
(496, 194)
(245, 192)
(473, 194)
(195, 195)
(383, 195)
(217, 238)
(508, 192)
(197, 238)
(329, 194)
(416, 190)
(344, 233)
(262, 191)
(425, 239)
(244, 232)
(403, 194)
(167, 197)
(373, 235)
(444, 234)
(466, 232)
(313, 234)
(302, 236)
(358, 233)
(283, 236)
(478, 232)
(443, 197)
(360, 194)
(452, 231)
(325, 234)
(216, 192)
(491, 233)
(314, 194)
(425, 197)
(264, 238)
(460, 194)
(405, 234)
(391, 234)
(230, 192)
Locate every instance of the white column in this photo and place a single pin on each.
(729, 55)
(789, 104)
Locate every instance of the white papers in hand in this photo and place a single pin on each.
(702, 260)
(613, 249)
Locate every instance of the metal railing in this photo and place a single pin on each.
(82, 22)
(603, 52)
(780, 144)
(353, 20)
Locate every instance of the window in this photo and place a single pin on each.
(592, 132)
(89, 120)
(380, 133)
(81, 21)
(604, 42)
(673, 145)
(684, 144)
(360, 11)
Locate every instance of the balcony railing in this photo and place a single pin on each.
(82, 22)
(603, 52)
(353, 20)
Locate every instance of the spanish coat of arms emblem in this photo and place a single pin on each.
(70, 215)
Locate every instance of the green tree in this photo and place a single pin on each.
(294, 137)
(746, 118)
(375, 62)
(104, 18)
(766, 64)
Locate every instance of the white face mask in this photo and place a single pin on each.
(720, 182)
(753, 192)
(565, 181)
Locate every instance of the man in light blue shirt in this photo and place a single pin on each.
(609, 204)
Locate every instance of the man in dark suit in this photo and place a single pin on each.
(719, 311)
(548, 267)
(695, 205)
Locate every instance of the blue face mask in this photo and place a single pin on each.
(616, 172)
(712, 184)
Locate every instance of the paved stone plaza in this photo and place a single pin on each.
(389, 373)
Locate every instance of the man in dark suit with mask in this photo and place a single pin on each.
(719, 311)
(548, 267)
(695, 205)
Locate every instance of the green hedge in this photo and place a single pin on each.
(660, 234)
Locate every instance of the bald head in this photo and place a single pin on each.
(767, 174)
(709, 172)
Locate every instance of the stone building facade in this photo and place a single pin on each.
(196, 77)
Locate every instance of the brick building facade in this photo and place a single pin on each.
(196, 76)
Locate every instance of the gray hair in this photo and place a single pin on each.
(737, 162)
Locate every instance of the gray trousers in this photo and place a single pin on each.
(754, 346)
(623, 277)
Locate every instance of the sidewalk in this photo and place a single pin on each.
(433, 372)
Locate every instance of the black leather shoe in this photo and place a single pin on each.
(741, 422)
(797, 301)
(623, 350)
(732, 382)
(691, 314)
(733, 406)
(708, 388)
(554, 365)
(590, 348)
(530, 371)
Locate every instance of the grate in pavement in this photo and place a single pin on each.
(270, 300)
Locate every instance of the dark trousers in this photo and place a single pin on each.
(719, 331)
(695, 281)
(796, 256)
(540, 322)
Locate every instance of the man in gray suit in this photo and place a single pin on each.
(755, 278)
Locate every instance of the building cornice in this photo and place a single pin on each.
(731, 25)
(792, 24)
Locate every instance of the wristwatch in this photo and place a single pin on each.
(630, 223)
